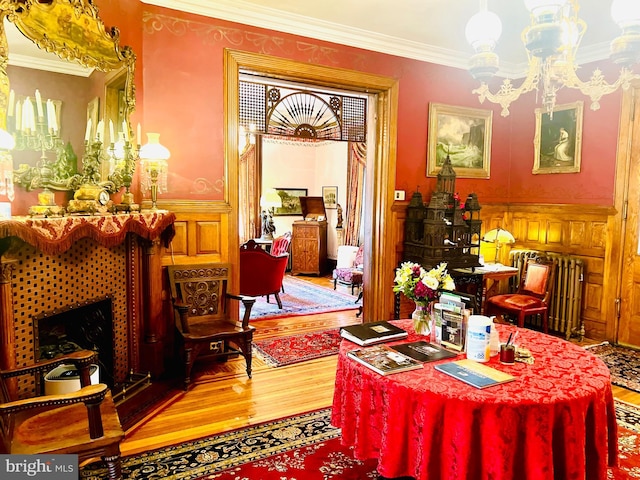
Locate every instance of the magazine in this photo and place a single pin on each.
(384, 360)
(373, 332)
(474, 373)
(423, 351)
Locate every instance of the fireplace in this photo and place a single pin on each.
(83, 326)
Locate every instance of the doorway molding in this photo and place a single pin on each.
(381, 168)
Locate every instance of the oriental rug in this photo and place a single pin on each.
(302, 298)
(280, 351)
(302, 447)
(623, 363)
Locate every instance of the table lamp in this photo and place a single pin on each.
(268, 201)
(499, 236)
(154, 156)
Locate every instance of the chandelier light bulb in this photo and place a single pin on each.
(483, 30)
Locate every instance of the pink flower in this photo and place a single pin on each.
(422, 291)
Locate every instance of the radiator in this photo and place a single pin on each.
(565, 306)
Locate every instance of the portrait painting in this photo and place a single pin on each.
(558, 139)
(463, 134)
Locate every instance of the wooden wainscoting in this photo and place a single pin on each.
(202, 232)
(578, 230)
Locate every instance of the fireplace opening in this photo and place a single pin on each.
(85, 326)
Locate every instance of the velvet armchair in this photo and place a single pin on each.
(260, 272)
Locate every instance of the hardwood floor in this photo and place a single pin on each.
(227, 400)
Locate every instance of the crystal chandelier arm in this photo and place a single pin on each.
(507, 94)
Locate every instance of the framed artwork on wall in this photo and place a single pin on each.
(558, 139)
(462, 133)
(290, 201)
(330, 197)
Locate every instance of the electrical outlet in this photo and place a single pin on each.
(399, 195)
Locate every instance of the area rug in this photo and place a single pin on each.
(302, 298)
(302, 447)
(623, 363)
(280, 351)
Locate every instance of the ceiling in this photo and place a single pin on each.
(428, 30)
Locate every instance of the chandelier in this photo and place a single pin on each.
(552, 40)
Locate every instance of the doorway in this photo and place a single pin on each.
(379, 251)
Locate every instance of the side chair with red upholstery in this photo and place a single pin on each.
(260, 272)
(533, 295)
(280, 246)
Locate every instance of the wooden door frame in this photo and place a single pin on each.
(617, 224)
(381, 171)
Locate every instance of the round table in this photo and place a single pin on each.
(556, 420)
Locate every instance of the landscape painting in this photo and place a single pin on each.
(463, 134)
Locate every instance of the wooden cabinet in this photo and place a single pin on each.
(309, 247)
(309, 238)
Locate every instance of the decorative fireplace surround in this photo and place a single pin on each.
(50, 264)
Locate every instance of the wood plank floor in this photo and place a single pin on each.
(226, 399)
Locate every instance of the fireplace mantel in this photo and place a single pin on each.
(55, 235)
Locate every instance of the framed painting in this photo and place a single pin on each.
(290, 201)
(558, 139)
(464, 134)
(330, 197)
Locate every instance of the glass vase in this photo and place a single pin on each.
(421, 317)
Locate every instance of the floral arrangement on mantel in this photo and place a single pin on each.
(422, 287)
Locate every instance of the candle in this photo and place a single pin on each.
(54, 117)
(28, 119)
(112, 136)
(18, 116)
(125, 130)
(12, 96)
(138, 134)
(87, 133)
(100, 130)
(39, 104)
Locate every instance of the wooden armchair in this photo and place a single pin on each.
(83, 423)
(202, 308)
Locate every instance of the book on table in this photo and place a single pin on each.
(423, 351)
(474, 373)
(372, 333)
(384, 360)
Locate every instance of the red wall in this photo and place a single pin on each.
(181, 60)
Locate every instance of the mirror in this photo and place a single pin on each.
(72, 30)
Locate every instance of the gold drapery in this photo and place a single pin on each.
(355, 191)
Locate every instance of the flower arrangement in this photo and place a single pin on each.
(421, 285)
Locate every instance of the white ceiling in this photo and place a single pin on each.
(429, 30)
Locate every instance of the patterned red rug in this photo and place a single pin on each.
(303, 447)
(623, 363)
(280, 351)
(302, 298)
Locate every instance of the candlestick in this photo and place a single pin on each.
(100, 130)
(18, 116)
(138, 134)
(112, 137)
(125, 130)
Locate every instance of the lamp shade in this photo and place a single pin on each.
(270, 199)
(153, 149)
(483, 30)
(498, 235)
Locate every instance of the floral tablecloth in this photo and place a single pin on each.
(554, 421)
(55, 235)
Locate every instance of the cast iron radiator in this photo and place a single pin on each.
(566, 301)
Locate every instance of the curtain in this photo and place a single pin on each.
(355, 191)
(249, 194)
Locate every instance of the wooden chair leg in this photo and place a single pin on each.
(545, 321)
(188, 365)
(335, 283)
(277, 295)
(521, 319)
(114, 467)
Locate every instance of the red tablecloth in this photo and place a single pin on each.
(555, 421)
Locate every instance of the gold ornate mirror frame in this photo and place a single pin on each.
(73, 30)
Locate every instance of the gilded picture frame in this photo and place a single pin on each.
(462, 133)
(330, 197)
(558, 139)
